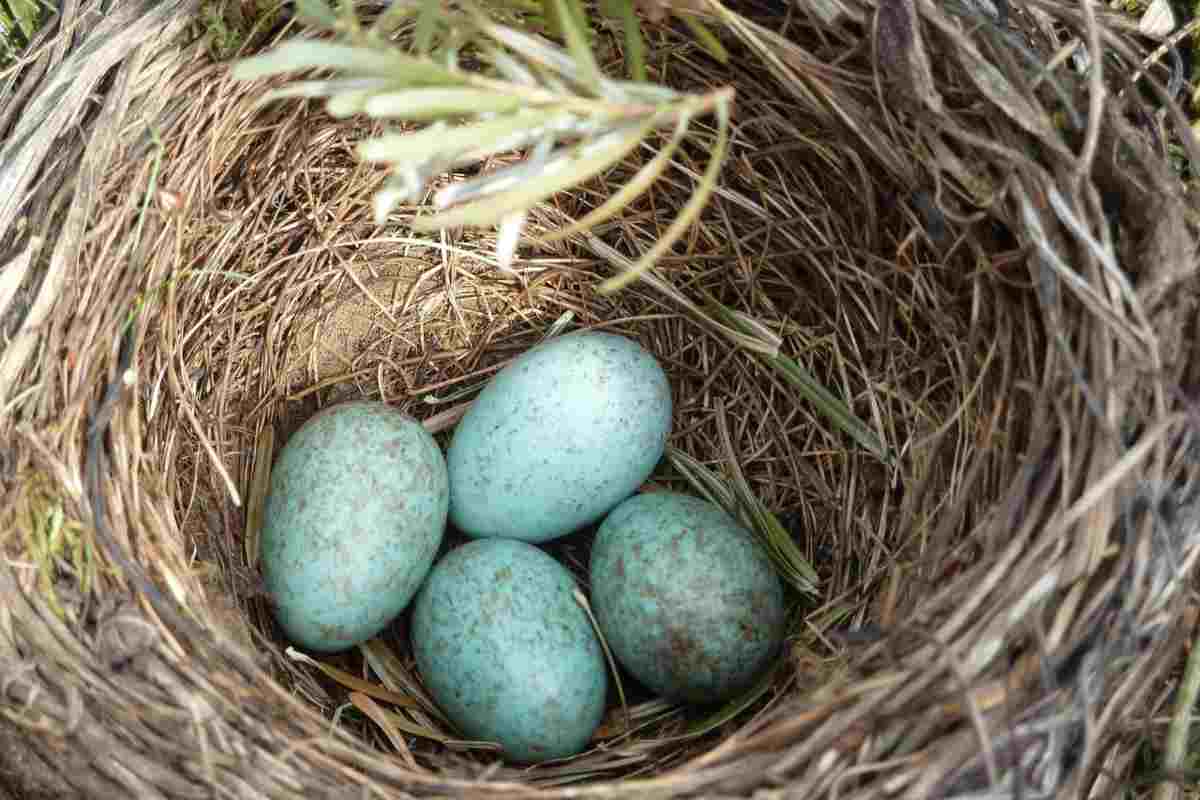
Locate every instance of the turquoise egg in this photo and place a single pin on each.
(686, 597)
(558, 438)
(353, 520)
(507, 652)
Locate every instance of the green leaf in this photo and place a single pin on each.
(474, 141)
(427, 22)
(26, 14)
(298, 54)
(347, 104)
(536, 51)
(573, 19)
(703, 480)
(704, 37)
(316, 89)
(631, 29)
(624, 196)
(435, 103)
(316, 13)
(575, 166)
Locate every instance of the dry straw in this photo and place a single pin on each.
(932, 317)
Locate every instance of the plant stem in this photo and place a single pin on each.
(1177, 733)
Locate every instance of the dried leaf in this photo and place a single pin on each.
(1158, 20)
(385, 721)
(264, 449)
(901, 51)
(356, 684)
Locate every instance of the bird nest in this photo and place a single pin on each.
(968, 236)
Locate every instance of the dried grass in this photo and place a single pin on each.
(996, 606)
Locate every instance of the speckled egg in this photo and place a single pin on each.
(507, 652)
(686, 597)
(353, 520)
(558, 438)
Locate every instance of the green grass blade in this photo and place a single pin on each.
(788, 560)
(703, 481)
(435, 103)
(638, 185)
(476, 141)
(705, 38)
(731, 709)
(311, 90)
(623, 12)
(316, 13)
(826, 403)
(740, 503)
(298, 54)
(573, 20)
(26, 14)
(427, 23)
(572, 168)
(687, 215)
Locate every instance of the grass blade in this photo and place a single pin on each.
(316, 14)
(427, 20)
(384, 720)
(393, 674)
(571, 17)
(299, 54)
(625, 196)
(631, 31)
(435, 103)
(260, 483)
(712, 488)
(731, 709)
(575, 166)
(689, 213)
(353, 683)
(467, 143)
(705, 38)
(788, 559)
(826, 403)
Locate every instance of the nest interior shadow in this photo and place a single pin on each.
(917, 200)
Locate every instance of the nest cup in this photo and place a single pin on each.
(980, 250)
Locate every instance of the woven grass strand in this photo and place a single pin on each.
(1011, 591)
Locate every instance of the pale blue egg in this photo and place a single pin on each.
(686, 597)
(507, 652)
(353, 520)
(558, 438)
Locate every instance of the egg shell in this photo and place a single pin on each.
(685, 596)
(558, 438)
(507, 652)
(354, 517)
